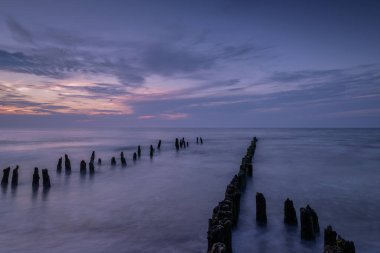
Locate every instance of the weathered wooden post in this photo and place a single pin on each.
(14, 182)
(159, 145)
(176, 144)
(330, 238)
(187, 144)
(123, 161)
(36, 178)
(45, 179)
(134, 156)
(309, 223)
(92, 159)
(200, 138)
(83, 167)
(333, 243)
(113, 161)
(307, 230)
(99, 161)
(139, 151)
(261, 208)
(197, 140)
(314, 217)
(4, 180)
(91, 168)
(67, 164)
(59, 165)
(290, 216)
(151, 151)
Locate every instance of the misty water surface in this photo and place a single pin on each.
(163, 204)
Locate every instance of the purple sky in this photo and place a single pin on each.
(190, 63)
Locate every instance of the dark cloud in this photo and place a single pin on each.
(326, 91)
(244, 51)
(166, 60)
(60, 53)
(36, 64)
(19, 32)
(100, 90)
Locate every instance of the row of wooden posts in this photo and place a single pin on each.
(179, 144)
(225, 215)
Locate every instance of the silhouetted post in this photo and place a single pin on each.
(159, 145)
(45, 179)
(67, 164)
(92, 160)
(261, 208)
(99, 161)
(91, 168)
(134, 156)
(113, 161)
(36, 178)
(14, 182)
(4, 180)
(314, 217)
(345, 246)
(309, 223)
(139, 151)
(200, 138)
(187, 144)
(151, 152)
(334, 243)
(197, 140)
(123, 161)
(83, 167)
(176, 144)
(290, 216)
(330, 237)
(59, 165)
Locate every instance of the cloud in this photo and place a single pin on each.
(19, 32)
(143, 117)
(174, 116)
(356, 113)
(165, 60)
(40, 65)
(308, 87)
(219, 103)
(61, 53)
(165, 116)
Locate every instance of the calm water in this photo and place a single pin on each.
(163, 204)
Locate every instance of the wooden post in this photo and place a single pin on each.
(59, 165)
(113, 161)
(67, 164)
(36, 178)
(123, 161)
(45, 179)
(261, 209)
(15, 177)
(4, 180)
(290, 216)
(83, 167)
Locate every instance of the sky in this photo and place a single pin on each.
(215, 63)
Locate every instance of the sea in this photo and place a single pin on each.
(163, 203)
